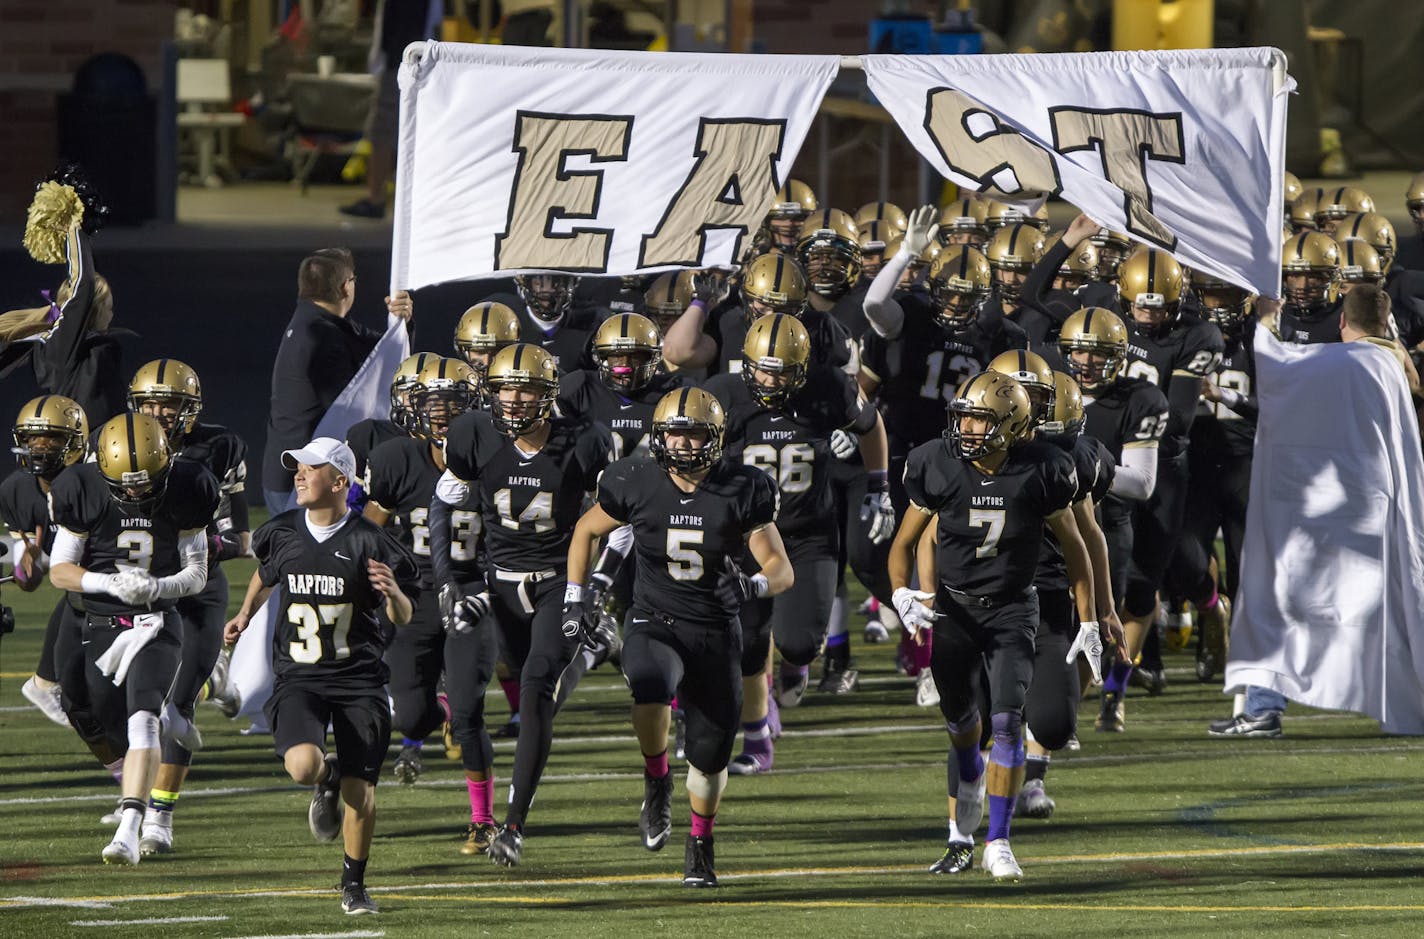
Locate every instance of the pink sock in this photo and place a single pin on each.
(481, 801)
(702, 825)
(510, 687)
(922, 653)
(1210, 604)
(444, 702)
(673, 705)
(874, 605)
(657, 766)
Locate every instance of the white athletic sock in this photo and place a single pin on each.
(129, 824)
(955, 834)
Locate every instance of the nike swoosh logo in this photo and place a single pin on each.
(684, 501)
(637, 620)
(340, 555)
(985, 482)
(775, 419)
(525, 462)
(624, 407)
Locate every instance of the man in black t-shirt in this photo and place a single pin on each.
(335, 570)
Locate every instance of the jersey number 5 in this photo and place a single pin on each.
(683, 562)
(309, 620)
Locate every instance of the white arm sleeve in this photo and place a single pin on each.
(1136, 474)
(193, 552)
(881, 310)
(621, 540)
(68, 547)
(451, 490)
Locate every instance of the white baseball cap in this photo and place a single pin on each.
(324, 450)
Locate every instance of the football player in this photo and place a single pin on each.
(667, 298)
(829, 255)
(550, 321)
(963, 223)
(1336, 203)
(1113, 248)
(1129, 415)
(780, 417)
(336, 571)
(1411, 249)
(1012, 253)
(887, 214)
(992, 493)
(366, 435)
(1310, 267)
(693, 513)
(50, 433)
(132, 540)
(873, 237)
(483, 330)
(526, 471)
(169, 391)
(1054, 289)
(794, 202)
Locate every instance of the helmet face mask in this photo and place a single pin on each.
(1225, 306)
(443, 391)
(775, 356)
(1066, 419)
(1093, 343)
(483, 330)
(548, 296)
(41, 453)
(773, 283)
(688, 431)
(50, 433)
(134, 460)
(402, 414)
(176, 414)
(831, 263)
(523, 382)
(169, 391)
(959, 284)
(628, 351)
(990, 412)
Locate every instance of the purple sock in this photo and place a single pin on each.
(971, 762)
(407, 742)
(1001, 810)
(1117, 678)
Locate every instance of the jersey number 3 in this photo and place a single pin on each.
(309, 619)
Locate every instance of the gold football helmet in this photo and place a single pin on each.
(964, 222)
(960, 280)
(548, 296)
(1113, 248)
(1150, 285)
(1373, 228)
(779, 348)
(1067, 417)
(887, 212)
(627, 348)
(523, 382)
(667, 298)
(1359, 263)
(50, 433)
(483, 330)
(1310, 265)
(444, 389)
(874, 236)
(833, 220)
(134, 458)
(793, 200)
(402, 383)
(1302, 211)
(1339, 202)
(1414, 201)
(169, 391)
(999, 215)
(1078, 268)
(1292, 190)
(1031, 371)
(1012, 253)
(1222, 303)
(687, 411)
(1001, 412)
(830, 259)
(1093, 342)
(773, 283)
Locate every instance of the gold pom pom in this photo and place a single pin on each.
(55, 209)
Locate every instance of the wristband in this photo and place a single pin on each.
(1091, 622)
(877, 481)
(93, 582)
(573, 593)
(760, 585)
(699, 303)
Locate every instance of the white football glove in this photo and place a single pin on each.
(878, 512)
(134, 586)
(1089, 642)
(911, 607)
(843, 445)
(921, 231)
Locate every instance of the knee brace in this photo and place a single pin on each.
(1008, 749)
(703, 786)
(962, 724)
(143, 731)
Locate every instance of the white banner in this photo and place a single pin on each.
(590, 161)
(1181, 149)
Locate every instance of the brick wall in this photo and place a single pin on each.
(42, 42)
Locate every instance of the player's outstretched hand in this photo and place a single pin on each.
(914, 614)
(1080, 230)
(1089, 641)
(921, 231)
(234, 627)
(383, 579)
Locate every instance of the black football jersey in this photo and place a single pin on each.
(1189, 352)
(402, 476)
(1320, 327)
(849, 311)
(792, 446)
(1228, 431)
(683, 539)
(225, 455)
(365, 436)
(990, 525)
(325, 625)
(24, 507)
(83, 504)
(831, 344)
(1095, 468)
(529, 503)
(583, 396)
(1129, 413)
(920, 370)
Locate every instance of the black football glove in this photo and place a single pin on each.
(734, 587)
(576, 616)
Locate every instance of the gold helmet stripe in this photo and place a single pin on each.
(133, 441)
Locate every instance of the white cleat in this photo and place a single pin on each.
(46, 699)
(121, 852)
(180, 730)
(969, 803)
(875, 632)
(157, 835)
(926, 694)
(113, 816)
(999, 861)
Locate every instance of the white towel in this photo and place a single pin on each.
(116, 660)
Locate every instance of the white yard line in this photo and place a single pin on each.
(151, 921)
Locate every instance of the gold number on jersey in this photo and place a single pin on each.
(419, 532)
(683, 562)
(792, 468)
(538, 514)
(139, 545)
(309, 620)
(943, 383)
(464, 535)
(1139, 368)
(993, 519)
(1230, 379)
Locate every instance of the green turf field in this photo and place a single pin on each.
(1159, 831)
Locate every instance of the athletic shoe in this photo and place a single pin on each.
(1033, 801)
(999, 861)
(220, 688)
(408, 766)
(355, 901)
(839, 680)
(868, 607)
(876, 633)
(157, 837)
(958, 858)
(453, 750)
(363, 208)
(751, 764)
(46, 699)
(121, 852)
(1110, 713)
(510, 730)
(1266, 725)
(1151, 680)
(679, 735)
(506, 847)
(697, 865)
(793, 688)
(114, 817)
(969, 803)
(773, 717)
(926, 694)
(478, 837)
(655, 818)
(1074, 744)
(324, 813)
(177, 728)
(1213, 642)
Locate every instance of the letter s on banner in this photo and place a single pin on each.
(546, 191)
(986, 156)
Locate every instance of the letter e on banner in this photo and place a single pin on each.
(987, 155)
(545, 191)
(729, 187)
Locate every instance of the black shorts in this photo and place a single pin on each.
(150, 675)
(970, 642)
(358, 711)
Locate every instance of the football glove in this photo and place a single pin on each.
(914, 614)
(134, 586)
(598, 584)
(710, 287)
(1089, 641)
(879, 515)
(459, 613)
(843, 445)
(735, 587)
(921, 230)
(575, 621)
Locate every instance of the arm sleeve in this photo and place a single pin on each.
(193, 551)
(1136, 475)
(1040, 276)
(61, 353)
(882, 311)
(68, 547)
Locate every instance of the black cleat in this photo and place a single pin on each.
(1110, 713)
(697, 867)
(510, 731)
(1243, 725)
(507, 846)
(478, 837)
(839, 679)
(655, 819)
(958, 858)
(356, 901)
(1151, 680)
(408, 766)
